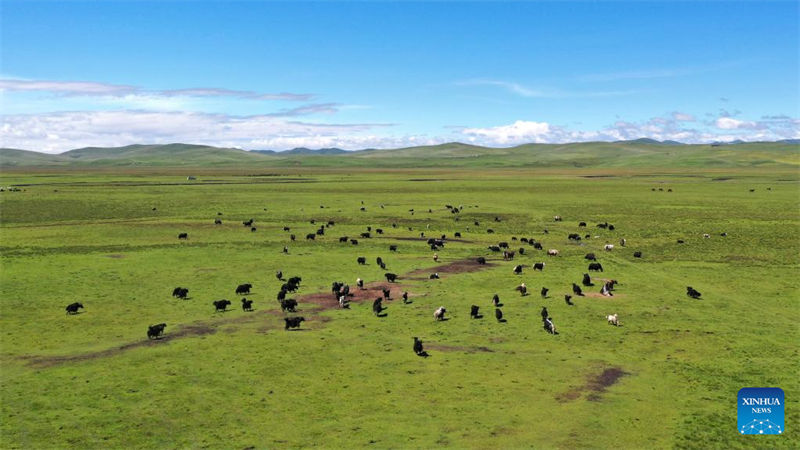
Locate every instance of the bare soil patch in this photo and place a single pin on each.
(595, 385)
(458, 348)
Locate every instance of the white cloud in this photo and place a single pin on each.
(91, 88)
(683, 117)
(524, 91)
(728, 123)
(518, 132)
(56, 132)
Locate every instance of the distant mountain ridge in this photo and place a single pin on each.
(622, 154)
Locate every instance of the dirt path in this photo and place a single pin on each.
(310, 305)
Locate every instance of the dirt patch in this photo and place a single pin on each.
(460, 266)
(310, 304)
(595, 385)
(423, 239)
(115, 256)
(458, 348)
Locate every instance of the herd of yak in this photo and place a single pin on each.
(341, 291)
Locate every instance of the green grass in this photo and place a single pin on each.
(352, 379)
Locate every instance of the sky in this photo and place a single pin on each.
(354, 75)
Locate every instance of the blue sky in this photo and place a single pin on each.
(277, 75)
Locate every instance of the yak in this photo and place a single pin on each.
(221, 305)
(390, 277)
(247, 305)
(243, 288)
(154, 331)
(72, 308)
(293, 322)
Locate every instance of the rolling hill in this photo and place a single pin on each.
(640, 153)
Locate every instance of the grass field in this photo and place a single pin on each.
(668, 377)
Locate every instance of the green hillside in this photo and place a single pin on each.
(641, 153)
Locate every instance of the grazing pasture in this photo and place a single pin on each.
(667, 376)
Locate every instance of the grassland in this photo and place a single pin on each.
(668, 377)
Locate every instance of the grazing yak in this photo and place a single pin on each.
(217, 221)
(577, 290)
(606, 289)
(544, 313)
(221, 305)
(418, 347)
(556, 218)
(587, 280)
(434, 276)
(498, 314)
(379, 261)
(439, 313)
(613, 320)
(379, 230)
(473, 312)
(596, 267)
(680, 241)
(494, 248)
(247, 305)
(155, 331)
(180, 292)
(248, 223)
(243, 288)
(457, 234)
(503, 244)
(637, 254)
(365, 235)
(361, 260)
(390, 277)
(311, 236)
(292, 237)
(289, 304)
(286, 229)
(582, 224)
(691, 292)
(622, 242)
(281, 294)
(496, 300)
(552, 252)
(574, 237)
(360, 283)
(293, 322)
(392, 248)
(521, 250)
(377, 306)
(435, 257)
(354, 241)
(279, 275)
(343, 239)
(544, 292)
(386, 293)
(538, 266)
(508, 255)
(518, 269)
(549, 326)
(405, 296)
(73, 308)
(481, 260)
(523, 290)
(590, 257)
(537, 246)
(568, 300)
(183, 236)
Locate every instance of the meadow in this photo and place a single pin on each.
(666, 378)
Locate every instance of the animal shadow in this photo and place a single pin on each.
(382, 315)
(423, 354)
(502, 320)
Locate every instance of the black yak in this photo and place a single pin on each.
(247, 305)
(243, 288)
(221, 305)
(72, 308)
(183, 236)
(293, 322)
(154, 331)
(390, 277)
